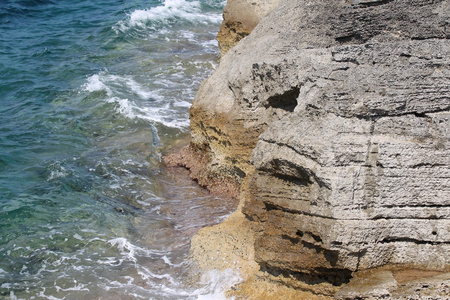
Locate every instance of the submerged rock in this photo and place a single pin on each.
(336, 116)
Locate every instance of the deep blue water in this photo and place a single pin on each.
(90, 92)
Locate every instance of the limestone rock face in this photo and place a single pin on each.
(338, 114)
(239, 19)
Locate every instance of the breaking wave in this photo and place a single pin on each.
(170, 13)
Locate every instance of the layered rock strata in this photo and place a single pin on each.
(336, 115)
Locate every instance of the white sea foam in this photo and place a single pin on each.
(126, 248)
(124, 107)
(172, 10)
(183, 104)
(149, 203)
(139, 90)
(155, 109)
(189, 35)
(43, 296)
(163, 114)
(56, 171)
(130, 251)
(126, 287)
(113, 84)
(77, 236)
(147, 274)
(95, 84)
(6, 285)
(12, 296)
(217, 284)
(76, 287)
(210, 44)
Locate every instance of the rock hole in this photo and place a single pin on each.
(286, 101)
(294, 241)
(316, 238)
(354, 38)
(368, 3)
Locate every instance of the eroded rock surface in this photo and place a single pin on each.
(337, 113)
(240, 17)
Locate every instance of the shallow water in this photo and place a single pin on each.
(90, 91)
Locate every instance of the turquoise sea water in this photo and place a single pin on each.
(89, 93)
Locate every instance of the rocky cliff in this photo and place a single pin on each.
(333, 118)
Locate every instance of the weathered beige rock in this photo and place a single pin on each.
(395, 283)
(370, 285)
(239, 19)
(337, 115)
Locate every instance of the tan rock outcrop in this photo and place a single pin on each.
(336, 116)
(239, 19)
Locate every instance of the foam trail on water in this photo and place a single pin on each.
(116, 84)
(171, 11)
(160, 115)
(155, 108)
(130, 251)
